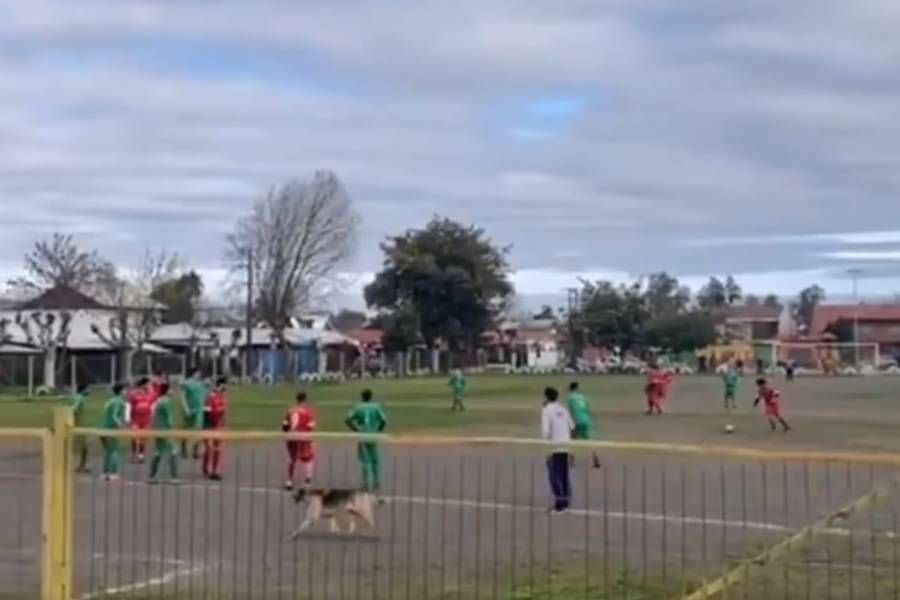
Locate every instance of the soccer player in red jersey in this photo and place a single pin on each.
(156, 384)
(140, 402)
(214, 419)
(771, 400)
(666, 378)
(300, 419)
(655, 391)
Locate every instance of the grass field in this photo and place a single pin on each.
(468, 521)
(827, 413)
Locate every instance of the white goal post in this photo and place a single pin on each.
(825, 356)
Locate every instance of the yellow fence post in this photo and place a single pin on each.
(56, 581)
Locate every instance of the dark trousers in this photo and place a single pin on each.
(560, 483)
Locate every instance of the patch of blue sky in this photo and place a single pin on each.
(541, 116)
(555, 106)
(208, 59)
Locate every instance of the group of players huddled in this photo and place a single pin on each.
(147, 405)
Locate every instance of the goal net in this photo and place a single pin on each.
(826, 356)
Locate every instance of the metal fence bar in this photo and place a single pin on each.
(153, 541)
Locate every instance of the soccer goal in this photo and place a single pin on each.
(827, 356)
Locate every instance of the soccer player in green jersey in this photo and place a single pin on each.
(732, 381)
(580, 412)
(458, 385)
(163, 420)
(194, 392)
(368, 417)
(77, 403)
(114, 417)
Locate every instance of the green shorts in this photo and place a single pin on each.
(163, 446)
(582, 431)
(194, 420)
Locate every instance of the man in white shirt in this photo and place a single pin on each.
(557, 426)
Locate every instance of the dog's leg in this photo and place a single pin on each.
(333, 525)
(313, 514)
(352, 527)
(303, 527)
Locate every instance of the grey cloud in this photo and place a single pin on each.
(698, 121)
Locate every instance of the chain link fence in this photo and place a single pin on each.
(470, 519)
(21, 498)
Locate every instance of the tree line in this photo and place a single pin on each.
(444, 284)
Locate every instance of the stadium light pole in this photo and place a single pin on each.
(854, 275)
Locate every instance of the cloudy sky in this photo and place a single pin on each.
(597, 138)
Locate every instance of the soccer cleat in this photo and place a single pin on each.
(288, 485)
(215, 477)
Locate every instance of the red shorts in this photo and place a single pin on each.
(140, 421)
(773, 411)
(302, 451)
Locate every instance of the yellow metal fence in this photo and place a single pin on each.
(453, 518)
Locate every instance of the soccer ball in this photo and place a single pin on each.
(729, 428)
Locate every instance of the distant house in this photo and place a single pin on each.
(349, 320)
(876, 324)
(755, 323)
(94, 358)
(319, 321)
(526, 343)
(61, 298)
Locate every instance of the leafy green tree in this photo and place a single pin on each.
(665, 296)
(400, 329)
(806, 304)
(842, 329)
(713, 294)
(453, 276)
(179, 296)
(546, 312)
(684, 332)
(772, 301)
(733, 291)
(611, 315)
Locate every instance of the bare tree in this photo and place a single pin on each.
(298, 235)
(136, 315)
(59, 261)
(48, 331)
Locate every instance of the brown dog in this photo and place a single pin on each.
(330, 504)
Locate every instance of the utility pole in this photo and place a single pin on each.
(248, 337)
(574, 304)
(854, 274)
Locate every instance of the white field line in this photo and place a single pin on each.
(616, 515)
(99, 556)
(167, 577)
(619, 515)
